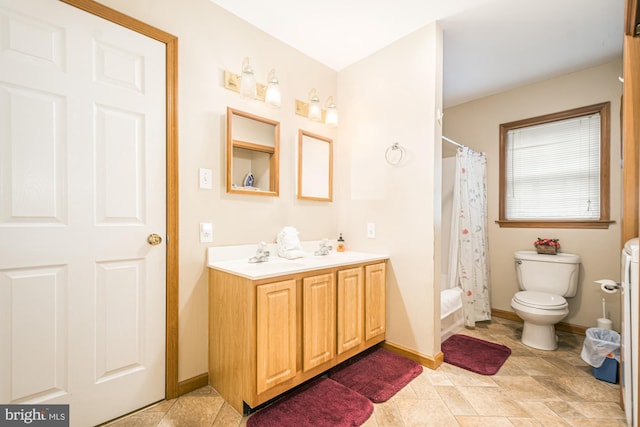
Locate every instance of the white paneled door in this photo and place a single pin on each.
(82, 187)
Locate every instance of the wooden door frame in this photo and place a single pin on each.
(172, 240)
(630, 127)
(630, 138)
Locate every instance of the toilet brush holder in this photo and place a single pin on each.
(604, 323)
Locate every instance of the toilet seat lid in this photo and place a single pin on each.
(541, 300)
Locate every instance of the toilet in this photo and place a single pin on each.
(544, 281)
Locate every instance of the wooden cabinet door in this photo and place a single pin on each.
(375, 300)
(275, 333)
(350, 309)
(318, 325)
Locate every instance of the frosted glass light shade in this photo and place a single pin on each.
(273, 98)
(331, 117)
(315, 111)
(247, 81)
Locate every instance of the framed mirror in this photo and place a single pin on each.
(252, 154)
(315, 167)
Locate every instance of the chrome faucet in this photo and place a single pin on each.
(324, 248)
(262, 254)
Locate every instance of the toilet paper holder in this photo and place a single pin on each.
(608, 286)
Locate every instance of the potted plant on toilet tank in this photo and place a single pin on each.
(547, 246)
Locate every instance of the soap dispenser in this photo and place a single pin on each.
(340, 245)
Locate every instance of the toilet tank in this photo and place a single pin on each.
(554, 274)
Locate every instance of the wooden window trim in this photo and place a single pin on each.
(603, 109)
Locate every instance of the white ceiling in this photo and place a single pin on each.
(489, 45)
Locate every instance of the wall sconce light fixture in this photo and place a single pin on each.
(313, 111)
(245, 84)
(331, 117)
(273, 98)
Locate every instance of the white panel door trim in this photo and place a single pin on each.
(53, 226)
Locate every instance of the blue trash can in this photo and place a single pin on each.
(608, 371)
(601, 350)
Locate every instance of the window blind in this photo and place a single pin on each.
(553, 170)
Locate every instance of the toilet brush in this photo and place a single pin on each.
(603, 322)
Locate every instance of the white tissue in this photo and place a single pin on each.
(289, 245)
(608, 286)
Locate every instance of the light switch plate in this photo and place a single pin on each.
(371, 230)
(206, 232)
(206, 176)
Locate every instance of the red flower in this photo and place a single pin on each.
(465, 231)
(469, 293)
(547, 242)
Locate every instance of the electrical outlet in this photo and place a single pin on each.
(205, 179)
(371, 230)
(206, 232)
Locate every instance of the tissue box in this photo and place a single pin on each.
(608, 371)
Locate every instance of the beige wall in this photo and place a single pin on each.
(211, 40)
(389, 97)
(392, 96)
(476, 124)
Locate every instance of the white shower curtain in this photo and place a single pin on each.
(469, 249)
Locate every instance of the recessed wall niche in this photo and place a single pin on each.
(252, 154)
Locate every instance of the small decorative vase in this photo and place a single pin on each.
(546, 249)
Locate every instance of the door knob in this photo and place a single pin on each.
(154, 239)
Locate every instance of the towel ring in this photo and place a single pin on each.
(394, 154)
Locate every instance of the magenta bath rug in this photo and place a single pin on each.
(321, 403)
(377, 375)
(475, 355)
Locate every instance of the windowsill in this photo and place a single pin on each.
(571, 223)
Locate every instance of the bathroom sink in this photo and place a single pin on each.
(334, 257)
(254, 270)
(273, 266)
(277, 266)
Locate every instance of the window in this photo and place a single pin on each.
(554, 170)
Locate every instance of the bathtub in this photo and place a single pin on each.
(451, 316)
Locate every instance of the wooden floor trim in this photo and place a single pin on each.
(193, 383)
(427, 361)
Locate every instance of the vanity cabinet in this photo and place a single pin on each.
(275, 333)
(375, 299)
(361, 312)
(350, 309)
(269, 335)
(319, 320)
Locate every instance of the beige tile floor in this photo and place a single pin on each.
(533, 388)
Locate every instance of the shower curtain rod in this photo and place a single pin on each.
(452, 141)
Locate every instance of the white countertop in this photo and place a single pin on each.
(235, 260)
